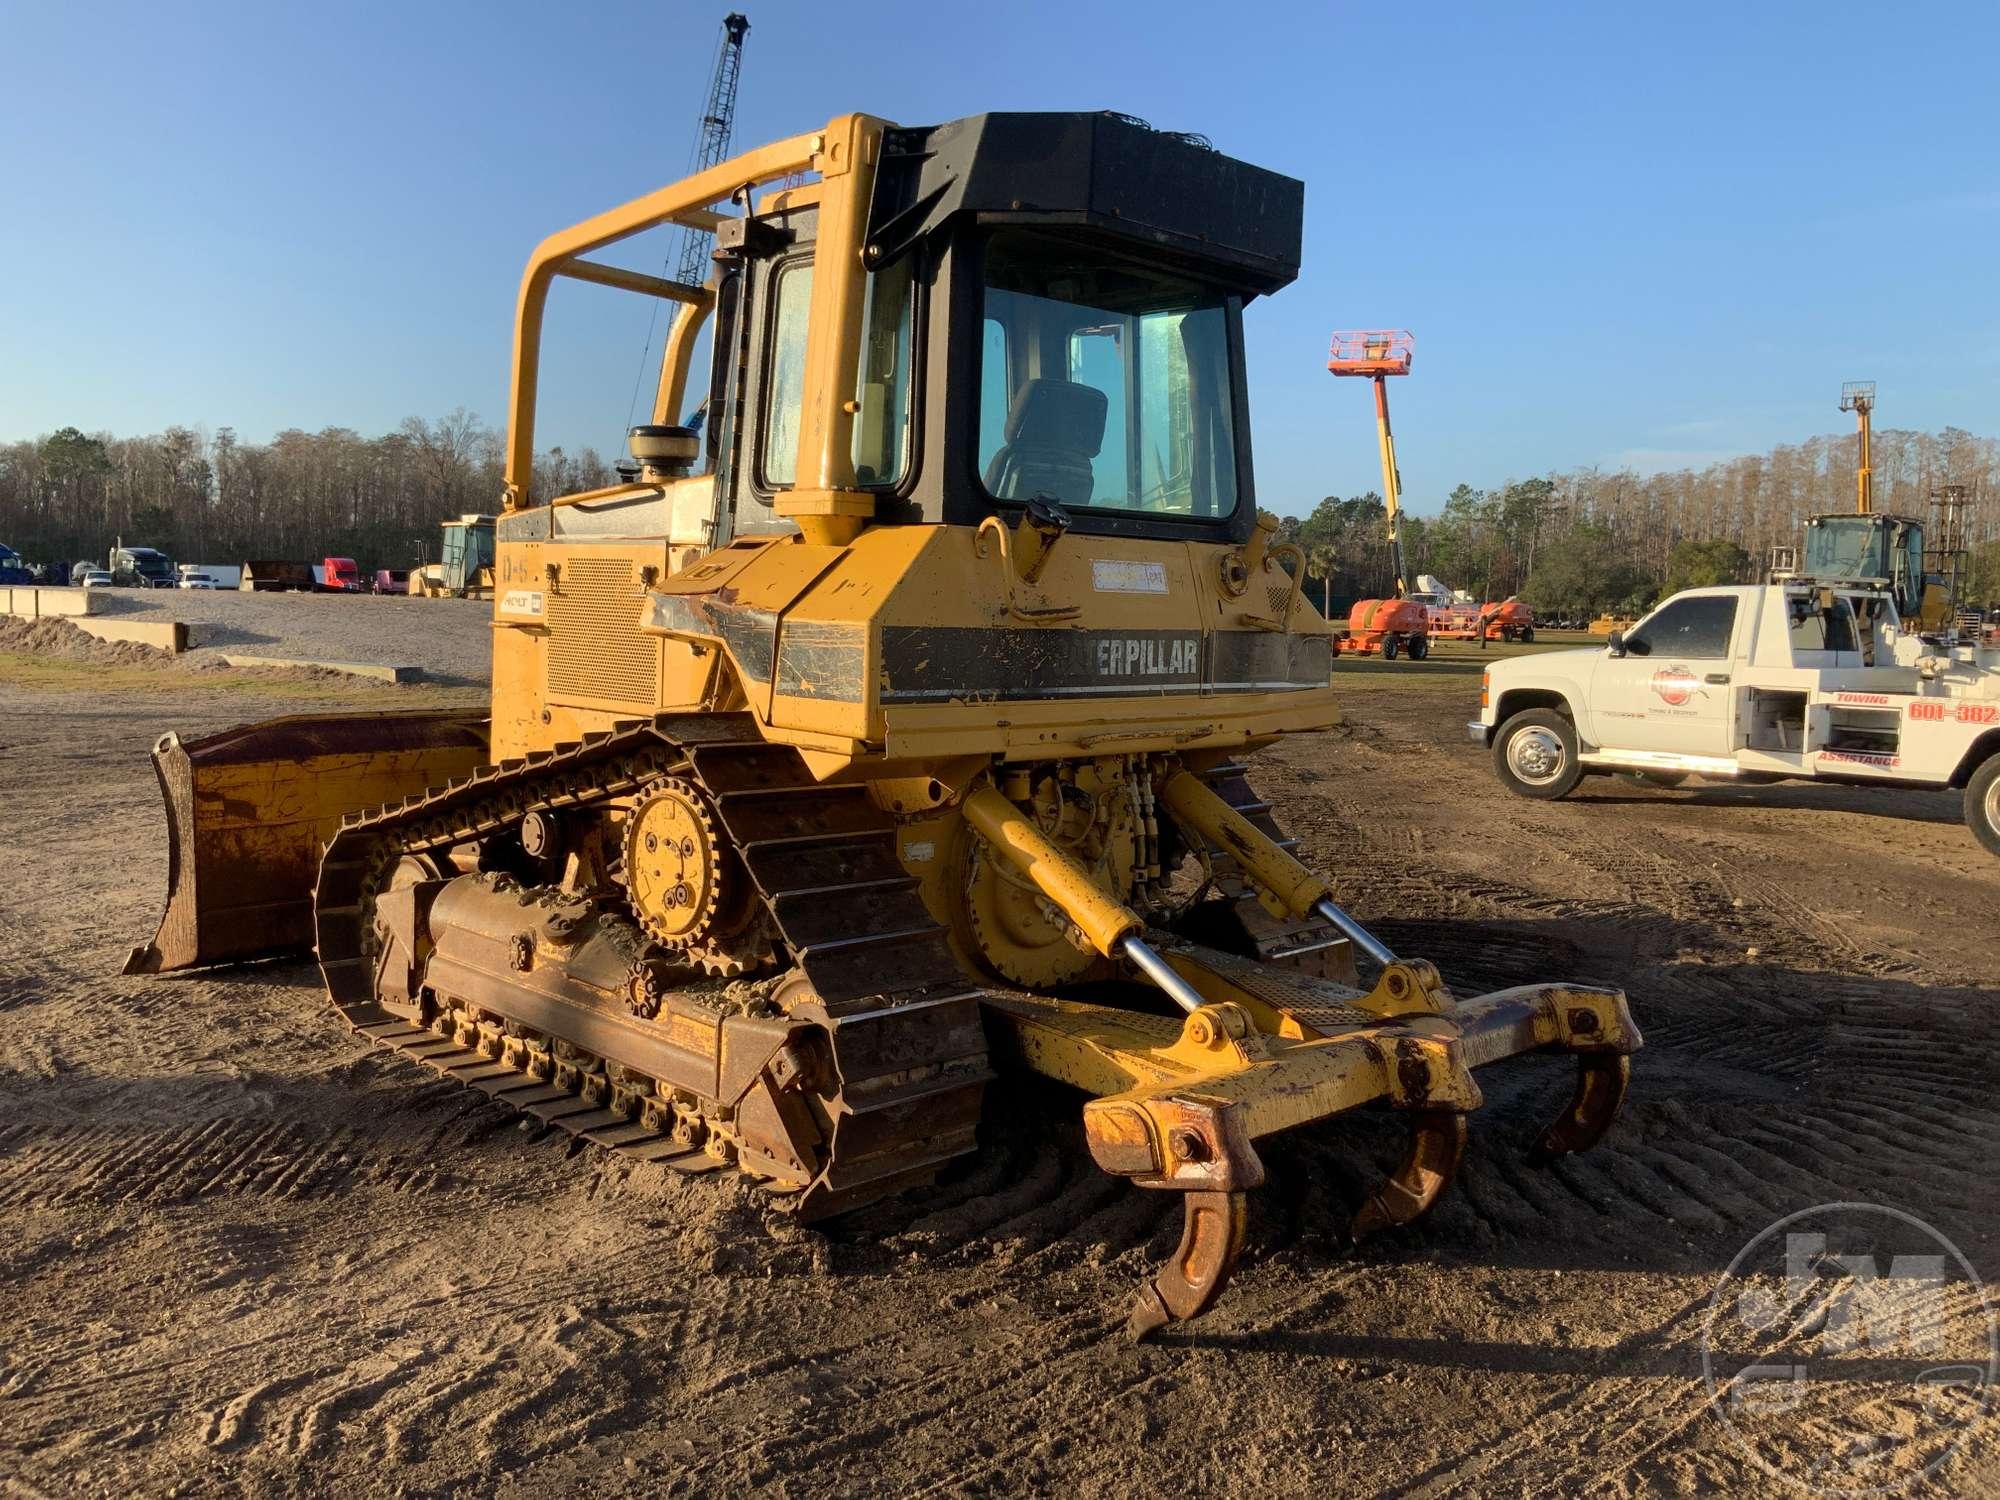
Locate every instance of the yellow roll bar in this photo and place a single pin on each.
(844, 154)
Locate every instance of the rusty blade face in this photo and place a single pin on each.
(249, 810)
(1601, 1081)
(1437, 1146)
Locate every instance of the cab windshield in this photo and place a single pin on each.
(1847, 547)
(1104, 384)
(1870, 546)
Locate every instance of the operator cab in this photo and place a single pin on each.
(1887, 551)
(1053, 313)
(1018, 313)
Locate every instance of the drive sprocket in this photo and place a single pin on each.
(686, 885)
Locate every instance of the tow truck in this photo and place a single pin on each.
(1792, 679)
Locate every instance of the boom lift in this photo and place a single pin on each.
(889, 728)
(1383, 624)
(1375, 355)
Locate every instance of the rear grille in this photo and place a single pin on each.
(596, 649)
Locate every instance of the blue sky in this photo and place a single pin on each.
(1649, 235)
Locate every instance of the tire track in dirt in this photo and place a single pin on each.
(998, 1382)
(293, 1416)
(52, 1167)
(491, 1386)
(1002, 1457)
(363, 1385)
(1046, 1219)
(1615, 1409)
(1902, 1107)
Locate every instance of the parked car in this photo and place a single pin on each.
(94, 578)
(77, 571)
(194, 578)
(392, 580)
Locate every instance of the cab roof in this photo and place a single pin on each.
(1225, 219)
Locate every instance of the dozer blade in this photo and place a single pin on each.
(249, 809)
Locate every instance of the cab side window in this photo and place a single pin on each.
(1694, 628)
(1816, 629)
(995, 380)
(884, 384)
(882, 397)
(784, 408)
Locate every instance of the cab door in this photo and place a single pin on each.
(1671, 688)
(757, 380)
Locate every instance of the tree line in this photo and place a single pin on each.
(1591, 540)
(211, 497)
(1569, 543)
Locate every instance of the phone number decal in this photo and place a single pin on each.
(1957, 713)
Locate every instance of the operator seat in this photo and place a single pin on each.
(1054, 429)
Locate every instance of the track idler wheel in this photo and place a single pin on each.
(1601, 1081)
(1437, 1146)
(1198, 1270)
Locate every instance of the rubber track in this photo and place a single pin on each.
(824, 860)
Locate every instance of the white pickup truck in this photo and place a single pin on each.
(1755, 683)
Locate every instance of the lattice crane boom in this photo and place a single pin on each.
(718, 122)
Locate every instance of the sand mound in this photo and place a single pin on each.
(57, 637)
(53, 636)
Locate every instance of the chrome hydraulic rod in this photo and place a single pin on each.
(1355, 933)
(1162, 973)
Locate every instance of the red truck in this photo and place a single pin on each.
(339, 575)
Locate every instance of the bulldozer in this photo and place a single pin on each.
(464, 569)
(886, 738)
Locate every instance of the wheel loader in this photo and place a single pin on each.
(886, 737)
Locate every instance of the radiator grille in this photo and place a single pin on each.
(596, 649)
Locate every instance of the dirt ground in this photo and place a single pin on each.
(242, 1251)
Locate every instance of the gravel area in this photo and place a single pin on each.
(451, 640)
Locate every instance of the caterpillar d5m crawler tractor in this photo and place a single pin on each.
(890, 727)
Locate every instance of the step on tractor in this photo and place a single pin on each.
(885, 738)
